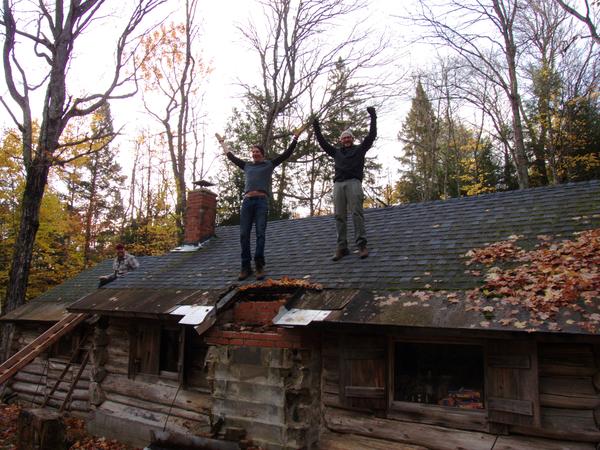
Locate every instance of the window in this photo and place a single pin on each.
(156, 349)
(68, 347)
(439, 374)
(170, 351)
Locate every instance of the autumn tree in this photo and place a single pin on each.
(56, 254)
(147, 217)
(562, 72)
(39, 40)
(172, 77)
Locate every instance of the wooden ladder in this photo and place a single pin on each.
(81, 347)
(28, 353)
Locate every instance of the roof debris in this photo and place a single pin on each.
(283, 282)
(552, 276)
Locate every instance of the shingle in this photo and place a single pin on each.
(405, 242)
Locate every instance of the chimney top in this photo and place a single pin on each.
(200, 215)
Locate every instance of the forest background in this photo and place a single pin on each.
(110, 110)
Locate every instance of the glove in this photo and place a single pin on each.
(371, 111)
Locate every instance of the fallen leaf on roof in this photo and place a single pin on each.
(554, 276)
(284, 282)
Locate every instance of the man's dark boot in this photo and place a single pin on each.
(363, 251)
(260, 271)
(245, 273)
(340, 253)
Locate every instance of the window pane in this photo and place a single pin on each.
(447, 375)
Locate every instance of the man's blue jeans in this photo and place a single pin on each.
(254, 211)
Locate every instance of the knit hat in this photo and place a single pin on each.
(346, 133)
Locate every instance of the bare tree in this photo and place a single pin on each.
(174, 71)
(52, 39)
(490, 51)
(295, 59)
(586, 17)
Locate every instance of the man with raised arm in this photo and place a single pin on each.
(349, 161)
(255, 205)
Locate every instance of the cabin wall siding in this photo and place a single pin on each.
(34, 381)
(129, 408)
(569, 398)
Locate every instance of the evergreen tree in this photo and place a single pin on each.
(419, 134)
(99, 182)
(314, 171)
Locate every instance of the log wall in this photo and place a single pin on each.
(569, 398)
(34, 381)
(569, 394)
(129, 407)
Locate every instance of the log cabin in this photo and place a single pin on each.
(473, 324)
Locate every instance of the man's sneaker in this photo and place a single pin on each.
(260, 272)
(340, 253)
(363, 251)
(245, 273)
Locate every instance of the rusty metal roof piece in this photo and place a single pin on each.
(327, 299)
(38, 311)
(299, 317)
(142, 302)
(192, 314)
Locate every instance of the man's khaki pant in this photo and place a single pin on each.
(348, 195)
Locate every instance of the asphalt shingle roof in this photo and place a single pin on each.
(413, 246)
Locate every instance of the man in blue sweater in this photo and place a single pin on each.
(255, 205)
(349, 160)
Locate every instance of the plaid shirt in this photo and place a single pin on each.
(127, 264)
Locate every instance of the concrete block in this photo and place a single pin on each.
(247, 355)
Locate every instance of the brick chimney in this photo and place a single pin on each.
(200, 216)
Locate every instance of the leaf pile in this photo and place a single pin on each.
(284, 282)
(76, 434)
(552, 276)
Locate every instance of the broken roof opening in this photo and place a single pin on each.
(268, 294)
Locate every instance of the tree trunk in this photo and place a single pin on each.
(513, 93)
(37, 176)
(90, 215)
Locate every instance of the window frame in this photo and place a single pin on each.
(155, 350)
(470, 419)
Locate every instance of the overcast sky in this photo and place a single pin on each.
(223, 46)
(232, 60)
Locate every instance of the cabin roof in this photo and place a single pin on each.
(417, 251)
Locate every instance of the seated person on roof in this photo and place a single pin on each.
(124, 262)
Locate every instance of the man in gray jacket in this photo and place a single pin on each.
(255, 205)
(124, 262)
(349, 160)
